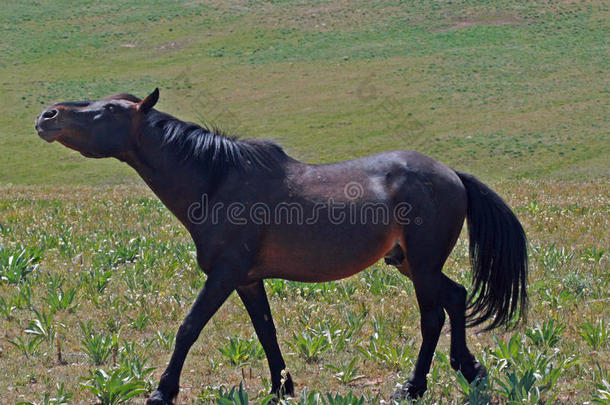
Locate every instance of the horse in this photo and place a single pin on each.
(254, 213)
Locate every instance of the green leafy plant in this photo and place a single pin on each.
(238, 396)
(135, 365)
(546, 335)
(476, 392)
(42, 326)
(347, 289)
(61, 397)
(96, 346)
(96, 279)
(239, 351)
(593, 254)
(116, 255)
(346, 373)
(60, 300)
(165, 339)
(8, 306)
(141, 321)
(18, 263)
(113, 388)
(276, 287)
(309, 346)
(25, 296)
(520, 388)
(552, 257)
(355, 321)
(304, 398)
(596, 335)
(27, 346)
(381, 282)
(602, 393)
(394, 357)
(331, 330)
(380, 329)
(347, 399)
(556, 300)
(529, 372)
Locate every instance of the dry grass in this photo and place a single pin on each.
(567, 226)
(505, 90)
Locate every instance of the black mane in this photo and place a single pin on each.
(213, 148)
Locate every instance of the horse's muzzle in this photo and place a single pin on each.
(47, 125)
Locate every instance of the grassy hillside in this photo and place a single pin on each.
(503, 89)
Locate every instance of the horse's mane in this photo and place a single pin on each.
(212, 147)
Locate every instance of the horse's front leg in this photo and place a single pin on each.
(219, 285)
(257, 305)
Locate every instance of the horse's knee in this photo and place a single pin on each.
(458, 295)
(454, 295)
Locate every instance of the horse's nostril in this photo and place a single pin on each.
(49, 114)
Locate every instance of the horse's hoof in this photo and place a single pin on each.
(476, 371)
(288, 387)
(158, 398)
(409, 391)
(480, 371)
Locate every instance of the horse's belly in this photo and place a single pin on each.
(321, 260)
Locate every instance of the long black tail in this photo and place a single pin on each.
(498, 256)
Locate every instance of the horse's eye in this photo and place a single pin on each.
(111, 108)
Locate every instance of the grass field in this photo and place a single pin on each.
(129, 274)
(501, 88)
(92, 266)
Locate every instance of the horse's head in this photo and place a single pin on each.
(100, 128)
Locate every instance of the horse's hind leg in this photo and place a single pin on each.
(453, 300)
(432, 319)
(257, 305)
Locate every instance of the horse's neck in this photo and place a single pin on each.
(178, 184)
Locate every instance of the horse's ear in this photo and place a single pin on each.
(149, 102)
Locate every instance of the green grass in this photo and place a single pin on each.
(131, 276)
(502, 89)
(93, 269)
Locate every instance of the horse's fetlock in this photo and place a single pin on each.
(454, 363)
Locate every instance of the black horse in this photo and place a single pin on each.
(256, 213)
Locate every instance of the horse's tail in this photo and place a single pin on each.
(498, 257)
